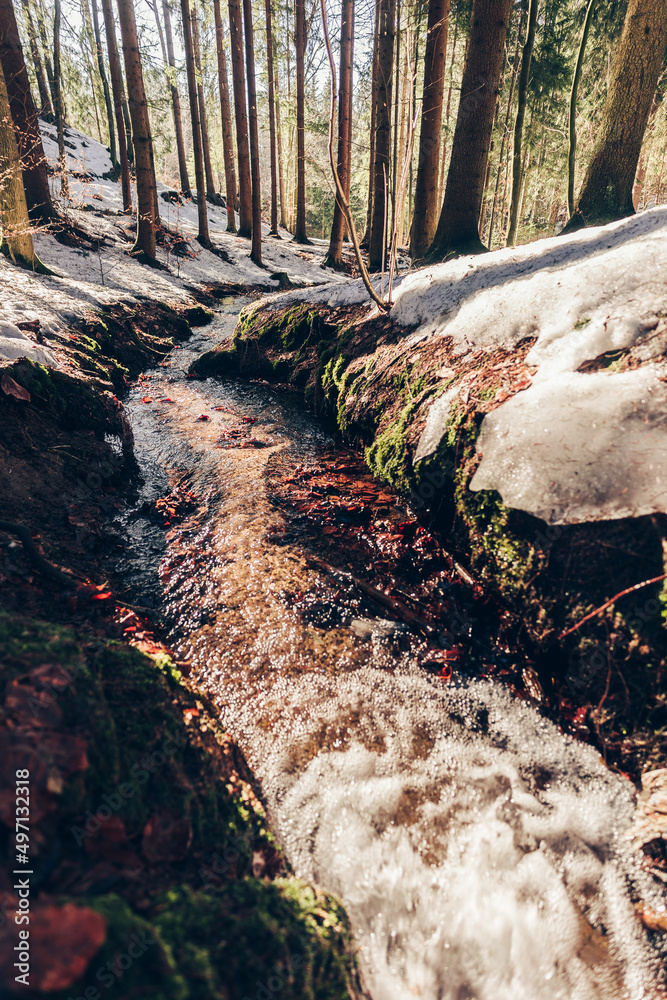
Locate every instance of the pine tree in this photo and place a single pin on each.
(381, 175)
(197, 147)
(273, 231)
(241, 115)
(300, 233)
(117, 93)
(175, 99)
(256, 251)
(335, 254)
(226, 120)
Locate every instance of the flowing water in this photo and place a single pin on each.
(479, 852)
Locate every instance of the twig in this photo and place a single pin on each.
(345, 205)
(612, 600)
(39, 562)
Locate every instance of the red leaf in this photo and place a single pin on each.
(12, 388)
(203, 416)
(147, 399)
(104, 596)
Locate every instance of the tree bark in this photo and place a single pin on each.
(175, 100)
(242, 145)
(300, 234)
(273, 230)
(572, 123)
(279, 137)
(373, 126)
(116, 90)
(425, 214)
(60, 115)
(334, 256)
(256, 251)
(14, 220)
(381, 174)
(522, 95)
(458, 228)
(226, 120)
(44, 94)
(606, 193)
(24, 117)
(198, 151)
(105, 85)
(148, 219)
(501, 157)
(46, 48)
(206, 148)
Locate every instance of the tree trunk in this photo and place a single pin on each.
(522, 94)
(197, 148)
(443, 155)
(60, 119)
(24, 117)
(501, 157)
(16, 229)
(116, 90)
(175, 99)
(279, 137)
(572, 153)
(44, 94)
(256, 251)
(373, 126)
(377, 245)
(273, 231)
(206, 149)
(105, 85)
(148, 219)
(606, 193)
(425, 216)
(46, 48)
(334, 256)
(243, 148)
(300, 234)
(226, 120)
(458, 230)
(395, 172)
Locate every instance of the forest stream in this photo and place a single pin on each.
(480, 853)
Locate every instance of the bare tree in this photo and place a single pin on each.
(24, 117)
(117, 92)
(202, 214)
(458, 228)
(273, 230)
(148, 219)
(425, 213)
(242, 144)
(226, 120)
(378, 236)
(300, 233)
(256, 251)
(60, 114)
(335, 254)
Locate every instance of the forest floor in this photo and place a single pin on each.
(79, 659)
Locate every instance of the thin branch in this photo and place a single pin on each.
(612, 600)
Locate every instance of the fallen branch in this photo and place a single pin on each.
(345, 205)
(612, 600)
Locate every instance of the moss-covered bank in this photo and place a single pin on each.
(143, 811)
(376, 386)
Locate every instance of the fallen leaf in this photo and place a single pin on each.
(12, 388)
(146, 399)
(203, 416)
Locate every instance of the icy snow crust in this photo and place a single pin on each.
(574, 446)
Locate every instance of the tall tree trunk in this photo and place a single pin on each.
(522, 95)
(46, 110)
(226, 120)
(256, 251)
(279, 136)
(14, 220)
(501, 157)
(175, 99)
(116, 90)
(373, 126)
(425, 215)
(458, 228)
(334, 256)
(395, 172)
(87, 43)
(105, 85)
(24, 117)
(206, 148)
(148, 219)
(300, 234)
(273, 230)
(377, 245)
(572, 124)
(202, 214)
(60, 117)
(606, 193)
(46, 48)
(448, 106)
(242, 145)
